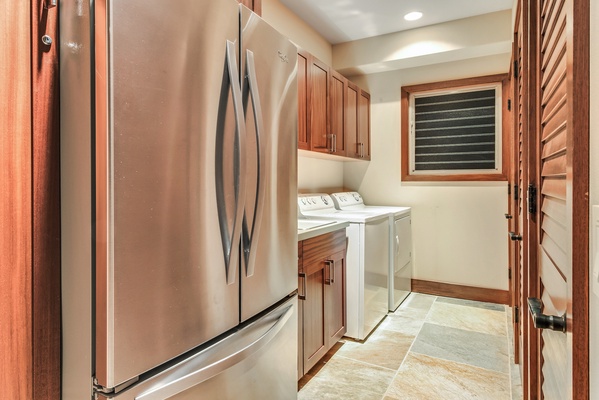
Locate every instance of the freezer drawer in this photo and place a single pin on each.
(256, 362)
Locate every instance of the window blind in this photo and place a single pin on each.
(455, 131)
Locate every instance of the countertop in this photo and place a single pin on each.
(317, 227)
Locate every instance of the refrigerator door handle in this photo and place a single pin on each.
(205, 372)
(250, 235)
(231, 240)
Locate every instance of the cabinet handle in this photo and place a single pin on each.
(542, 321)
(508, 216)
(331, 266)
(303, 295)
(515, 237)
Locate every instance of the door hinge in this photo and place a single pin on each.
(516, 314)
(509, 273)
(509, 188)
(516, 192)
(509, 104)
(515, 68)
(532, 199)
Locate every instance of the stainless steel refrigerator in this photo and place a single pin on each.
(178, 182)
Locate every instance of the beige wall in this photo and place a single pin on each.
(459, 228)
(297, 30)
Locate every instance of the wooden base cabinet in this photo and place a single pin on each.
(322, 297)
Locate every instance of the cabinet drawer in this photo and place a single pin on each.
(323, 246)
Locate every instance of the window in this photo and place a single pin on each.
(452, 131)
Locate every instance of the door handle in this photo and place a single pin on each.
(250, 235)
(515, 237)
(231, 239)
(303, 295)
(542, 321)
(331, 266)
(508, 216)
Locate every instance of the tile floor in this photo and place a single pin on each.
(429, 348)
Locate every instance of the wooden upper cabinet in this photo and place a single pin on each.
(254, 5)
(333, 113)
(303, 92)
(364, 125)
(318, 128)
(337, 113)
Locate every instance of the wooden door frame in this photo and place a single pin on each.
(30, 256)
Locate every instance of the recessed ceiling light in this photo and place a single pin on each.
(413, 16)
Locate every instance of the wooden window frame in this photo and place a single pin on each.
(407, 91)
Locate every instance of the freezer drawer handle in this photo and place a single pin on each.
(230, 240)
(250, 235)
(209, 371)
(542, 321)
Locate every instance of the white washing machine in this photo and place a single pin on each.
(400, 246)
(367, 263)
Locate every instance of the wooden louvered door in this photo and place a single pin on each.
(562, 195)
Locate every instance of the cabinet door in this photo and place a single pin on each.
(335, 298)
(318, 95)
(315, 338)
(337, 113)
(303, 90)
(352, 95)
(364, 124)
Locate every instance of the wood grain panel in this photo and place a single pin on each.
(555, 287)
(319, 93)
(337, 111)
(16, 366)
(555, 142)
(554, 167)
(314, 327)
(554, 188)
(364, 123)
(555, 353)
(461, 292)
(558, 257)
(556, 232)
(351, 120)
(46, 205)
(320, 247)
(556, 209)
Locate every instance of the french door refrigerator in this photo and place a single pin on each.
(179, 218)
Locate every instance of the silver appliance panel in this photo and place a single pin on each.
(163, 285)
(269, 86)
(236, 367)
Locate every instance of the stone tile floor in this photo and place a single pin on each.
(430, 348)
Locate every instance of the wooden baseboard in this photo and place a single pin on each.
(461, 292)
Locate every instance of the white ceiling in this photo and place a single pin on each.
(341, 21)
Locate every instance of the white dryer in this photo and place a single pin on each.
(400, 246)
(367, 263)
